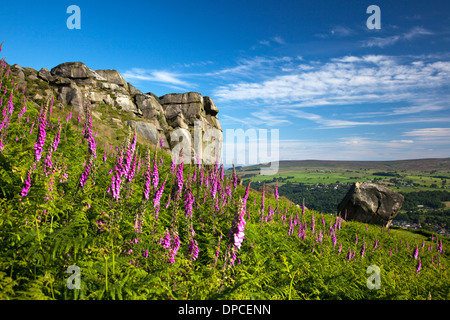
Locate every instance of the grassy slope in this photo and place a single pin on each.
(41, 238)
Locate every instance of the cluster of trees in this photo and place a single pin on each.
(424, 217)
(324, 200)
(430, 199)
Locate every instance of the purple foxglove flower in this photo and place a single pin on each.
(179, 176)
(39, 145)
(165, 242)
(157, 198)
(132, 170)
(363, 249)
(193, 250)
(27, 185)
(263, 199)
(276, 192)
(237, 229)
(24, 109)
(247, 190)
(349, 255)
(174, 248)
(147, 181)
(155, 174)
(85, 175)
(115, 186)
(415, 253)
(419, 266)
(333, 238)
(189, 204)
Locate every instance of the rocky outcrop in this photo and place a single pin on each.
(371, 203)
(74, 84)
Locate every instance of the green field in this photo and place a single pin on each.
(422, 176)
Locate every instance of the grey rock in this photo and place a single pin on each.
(210, 106)
(113, 76)
(150, 107)
(125, 102)
(76, 85)
(176, 98)
(72, 96)
(371, 203)
(148, 131)
(72, 70)
(44, 74)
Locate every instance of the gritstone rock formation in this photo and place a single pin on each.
(74, 84)
(370, 203)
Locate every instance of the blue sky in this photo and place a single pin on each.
(311, 69)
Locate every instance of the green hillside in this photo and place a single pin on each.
(87, 216)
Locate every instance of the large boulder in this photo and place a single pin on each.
(371, 203)
(74, 70)
(113, 76)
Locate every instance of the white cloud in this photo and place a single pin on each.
(158, 76)
(279, 40)
(361, 148)
(341, 31)
(346, 80)
(256, 119)
(429, 133)
(391, 40)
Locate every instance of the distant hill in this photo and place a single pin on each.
(410, 165)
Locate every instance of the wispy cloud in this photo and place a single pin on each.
(344, 80)
(158, 76)
(278, 40)
(429, 133)
(256, 119)
(391, 40)
(330, 123)
(341, 31)
(362, 148)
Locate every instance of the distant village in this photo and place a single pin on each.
(408, 225)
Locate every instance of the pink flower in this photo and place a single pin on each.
(165, 242)
(85, 175)
(276, 192)
(189, 201)
(157, 198)
(415, 253)
(193, 250)
(27, 185)
(179, 176)
(155, 174)
(419, 266)
(237, 229)
(363, 249)
(39, 145)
